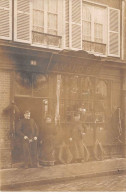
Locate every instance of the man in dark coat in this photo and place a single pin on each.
(28, 132)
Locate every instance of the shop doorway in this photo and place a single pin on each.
(34, 105)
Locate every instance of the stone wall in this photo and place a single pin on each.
(125, 31)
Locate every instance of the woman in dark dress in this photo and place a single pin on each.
(47, 140)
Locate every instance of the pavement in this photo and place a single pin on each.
(109, 183)
(19, 177)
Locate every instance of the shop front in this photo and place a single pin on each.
(71, 87)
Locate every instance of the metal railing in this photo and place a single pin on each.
(94, 47)
(46, 39)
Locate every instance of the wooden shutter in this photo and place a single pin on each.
(22, 23)
(6, 19)
(114, 33)
(60, 17)
(67, 24)
(76, 24)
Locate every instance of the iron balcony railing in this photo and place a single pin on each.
(46, 39)
(94, 47)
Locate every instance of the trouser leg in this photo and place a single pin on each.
(34, 153)
(98, 151)
(102, 151)
(87, 155)
(27, 157)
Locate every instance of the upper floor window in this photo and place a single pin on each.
(45, 22)
(36, 22)
(94, 23)
(45, 16)
(94, 28)
(100, 29)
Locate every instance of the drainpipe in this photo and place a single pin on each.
(123, 80)
(123, 104)
(123, 28)
(58, 88)
(49, 63)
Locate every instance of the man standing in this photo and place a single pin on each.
(77, 147)
(28, 131)
(48, 142)
(99, 152)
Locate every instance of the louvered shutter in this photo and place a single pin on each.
(76, 21)
(6, 19)
(22, 22)
(114, 33)
(60, 18)
(66, 23)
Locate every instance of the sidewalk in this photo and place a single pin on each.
(11, 178)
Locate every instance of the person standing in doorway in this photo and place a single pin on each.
(47, 142)
(77, 147)
(28, 131)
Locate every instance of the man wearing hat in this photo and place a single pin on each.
(28, 132)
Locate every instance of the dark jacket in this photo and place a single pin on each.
(27, 127)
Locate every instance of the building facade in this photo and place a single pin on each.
(59, 57)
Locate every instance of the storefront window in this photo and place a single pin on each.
(31, 84)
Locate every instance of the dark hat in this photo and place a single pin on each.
(27, 112)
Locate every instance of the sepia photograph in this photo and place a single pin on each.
(62, 95)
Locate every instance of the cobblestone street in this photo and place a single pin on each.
(104, 183)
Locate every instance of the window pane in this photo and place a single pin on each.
(52, 23)
(86, 13)
(38, 18)
(38, 4)
(99, 15)
(38, 21)
(98, 33)
(52, 16)
(53, 6)
(86, 30)
(38, 15)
